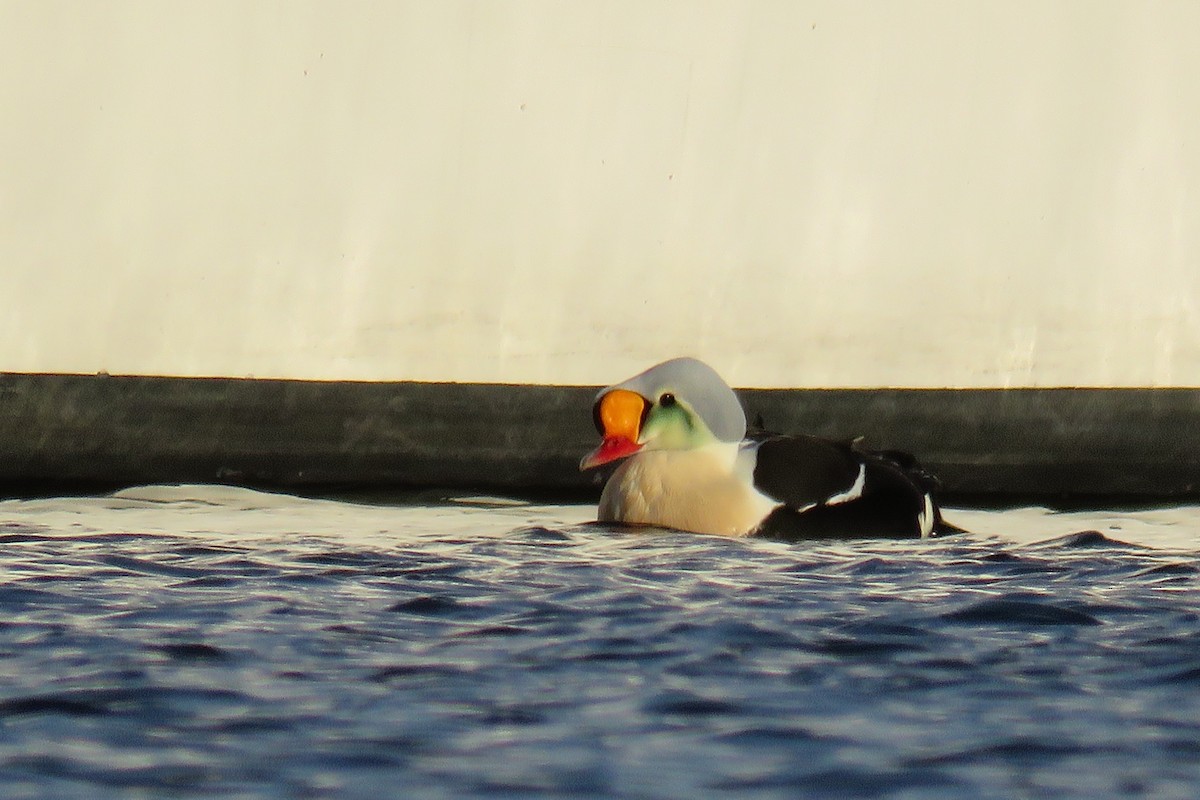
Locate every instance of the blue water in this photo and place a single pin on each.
(196, 642)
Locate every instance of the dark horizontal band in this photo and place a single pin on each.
(61, 430)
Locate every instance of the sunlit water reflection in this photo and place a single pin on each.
(210, 641)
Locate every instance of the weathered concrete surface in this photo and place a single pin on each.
(63, 430)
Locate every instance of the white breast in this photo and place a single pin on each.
(705, 490)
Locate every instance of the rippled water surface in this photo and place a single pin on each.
(198, 641)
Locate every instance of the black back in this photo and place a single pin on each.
(801, 471)
(805, 472)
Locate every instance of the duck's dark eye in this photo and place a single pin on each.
(666, 400)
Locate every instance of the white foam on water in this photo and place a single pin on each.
(228, 512)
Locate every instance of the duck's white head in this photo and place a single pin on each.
(679, 404)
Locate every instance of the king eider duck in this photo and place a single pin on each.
(688, 464)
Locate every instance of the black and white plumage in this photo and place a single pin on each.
(689, 464)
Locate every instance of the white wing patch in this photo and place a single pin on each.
(854, 492)
(925, 518)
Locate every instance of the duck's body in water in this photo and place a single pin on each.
(689, 464)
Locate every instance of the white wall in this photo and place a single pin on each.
(804, 193)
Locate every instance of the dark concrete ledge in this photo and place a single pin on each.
(71, 430)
